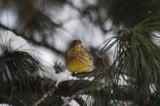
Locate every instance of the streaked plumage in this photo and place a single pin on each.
(78, 59)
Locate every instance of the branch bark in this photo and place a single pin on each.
(70, 88)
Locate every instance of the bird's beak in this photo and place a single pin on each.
(77, 47)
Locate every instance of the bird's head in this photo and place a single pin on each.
(76, 45)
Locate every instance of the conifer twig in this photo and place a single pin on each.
(49, 93)
(73, 97)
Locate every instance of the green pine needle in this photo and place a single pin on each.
(16, 68)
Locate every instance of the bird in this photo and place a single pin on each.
(78, 59)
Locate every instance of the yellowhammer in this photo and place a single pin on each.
(78, 59)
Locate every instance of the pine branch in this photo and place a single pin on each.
(73, 97)
(62, 85)
(72, 88)
(49, 93)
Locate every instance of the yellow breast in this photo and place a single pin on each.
(79, 62)
(79, 67)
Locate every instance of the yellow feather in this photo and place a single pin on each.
(78, 60)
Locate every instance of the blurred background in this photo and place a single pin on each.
(50, 25)
(45, 28)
